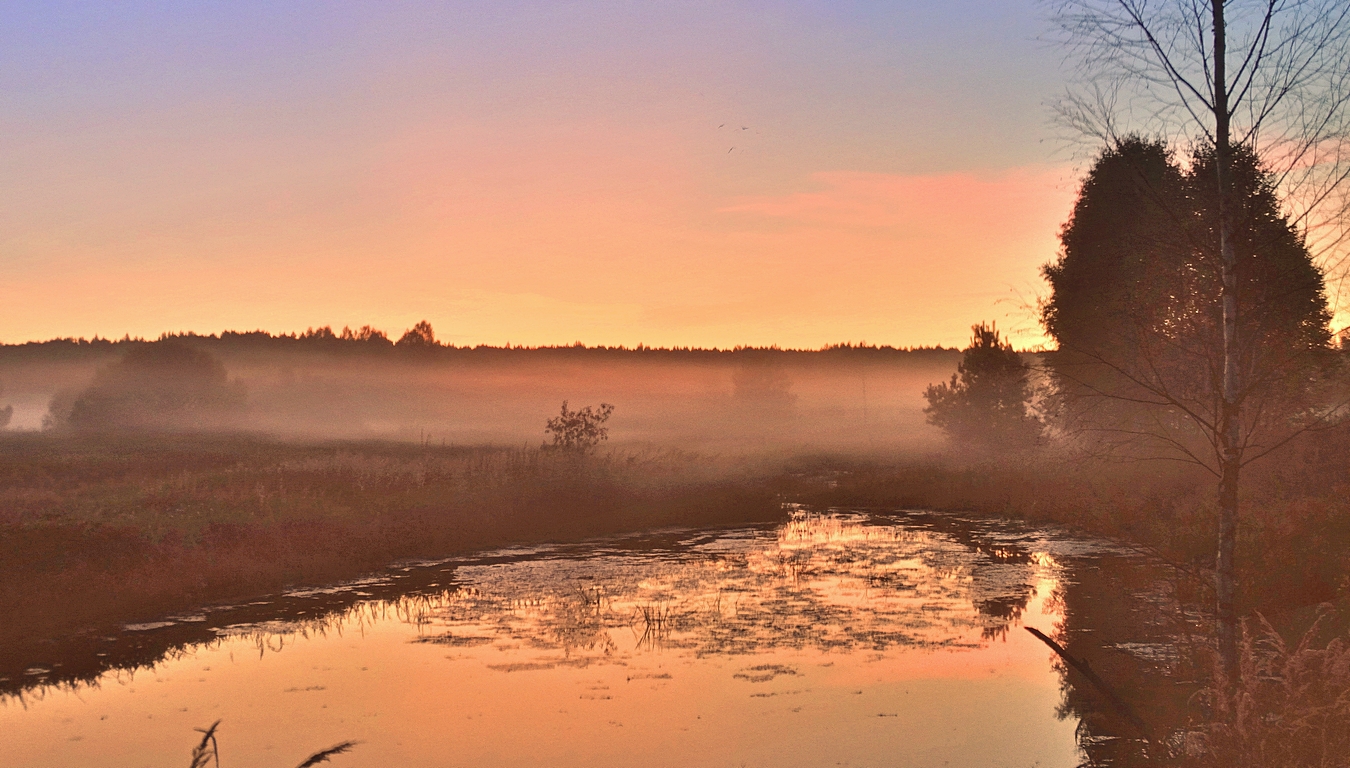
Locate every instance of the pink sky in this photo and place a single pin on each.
(710, 175)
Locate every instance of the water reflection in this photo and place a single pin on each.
(830, 583)
(898, 622)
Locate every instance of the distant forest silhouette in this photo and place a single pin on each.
(419, 340)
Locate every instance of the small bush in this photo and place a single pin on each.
(579, 431)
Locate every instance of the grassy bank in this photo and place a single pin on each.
(100, 531)
(94, 532)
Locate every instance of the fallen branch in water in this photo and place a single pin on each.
(1081, 665)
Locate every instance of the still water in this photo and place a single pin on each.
(844, 639)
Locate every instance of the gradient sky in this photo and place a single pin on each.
(684, 173)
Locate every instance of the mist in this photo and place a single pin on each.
(323, 387)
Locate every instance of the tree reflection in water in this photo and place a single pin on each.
(836, 583)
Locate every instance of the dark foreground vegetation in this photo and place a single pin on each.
(104, 530)
(1292, 701)
(1294, 549)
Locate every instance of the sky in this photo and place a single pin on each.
(674, 174)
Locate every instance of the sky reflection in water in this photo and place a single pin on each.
(836, 639)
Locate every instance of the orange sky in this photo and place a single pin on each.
(795, 174)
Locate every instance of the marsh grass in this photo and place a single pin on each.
(1292, 704)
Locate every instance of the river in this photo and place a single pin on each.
(848, 638)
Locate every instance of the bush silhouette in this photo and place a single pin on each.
(581, 430)
(167, 385)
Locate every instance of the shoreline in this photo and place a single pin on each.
(100, 534)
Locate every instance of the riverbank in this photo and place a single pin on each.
(1294, 536)
(99, 532)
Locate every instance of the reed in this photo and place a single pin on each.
(1293, 704)
(201, 755)
(207, 751)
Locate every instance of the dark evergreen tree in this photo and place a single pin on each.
(1136, 309)
(985, 403)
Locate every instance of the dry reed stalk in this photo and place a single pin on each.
(1293, 705)
(200, 755)
(322, 755)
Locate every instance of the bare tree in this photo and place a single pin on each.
(1267, 76)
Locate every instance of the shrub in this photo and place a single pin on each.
(168, 385)
(580, 430)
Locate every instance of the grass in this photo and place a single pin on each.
(97, 532)
(207, 751)
(1292, 705)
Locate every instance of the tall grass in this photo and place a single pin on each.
(207, 751)
(92, 532)
(1292, 704)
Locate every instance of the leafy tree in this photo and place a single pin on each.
(1267, 79)
(419, 336)
(167, 385)
(1138, 326)
(985, 403)
(761, 386)
(579, 431)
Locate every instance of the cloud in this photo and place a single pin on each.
(923, 203)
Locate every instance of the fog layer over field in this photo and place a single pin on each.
(322, 386)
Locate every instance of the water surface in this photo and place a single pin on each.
(841, 639)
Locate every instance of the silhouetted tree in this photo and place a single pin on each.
(1138, 325)
(419, 336)
(366, 334)
(985, 403)
(579, 431)
(166, 385)
(1163, 67)
(319, 334)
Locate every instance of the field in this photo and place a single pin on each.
(121, 529)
